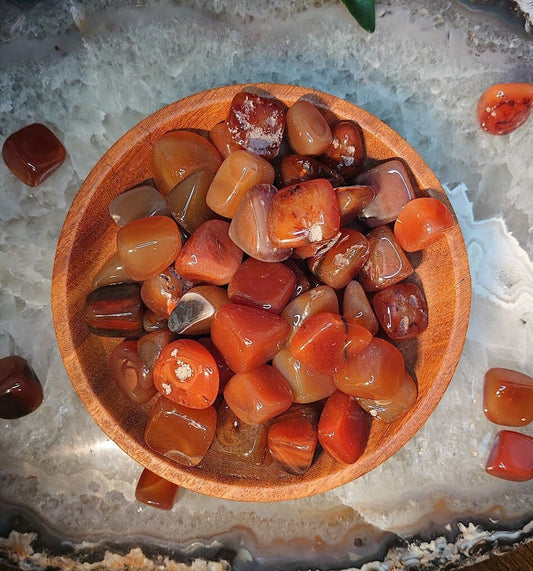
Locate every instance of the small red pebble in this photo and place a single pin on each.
(504, 107)
(511, 456)
(20, 389)
(155, 491)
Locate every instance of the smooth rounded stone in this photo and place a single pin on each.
(112, 272)
(20, 389)
(139, 202)
(308, 131)
(346, 152)
(155, 491)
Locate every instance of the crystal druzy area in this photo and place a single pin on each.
(488, 180)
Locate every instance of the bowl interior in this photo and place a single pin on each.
(87, 240)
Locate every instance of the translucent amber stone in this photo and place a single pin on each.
(112, 272)
(249, 226)
(155, 491)
(115, 311)
(511, 456)
(402, 310)
(352, 200)
(387, 263)
(222, 139)
(33, 153)
(374, 373)
(299, 168)
(346, 151)
(343, 260)
(256, 123)
(244, 442)
(504, 107)
(194, 313)
(130, 374)
(209, 255)
(293, 437)
(162, 292)
(307, 385)
(267, 285)
(177, 154)
(308, 131)
(148, 245)
(248, 337)
(20, 389)
(180, 433)
(355, 306)
(258, 395)
(390, 410)
(186, 201)
(421, 222)
(343, 428)
(315, 300)
(393, 188)
(304, 213)
(508, 397)
(239, 172)
(150, 346)
(139, 202)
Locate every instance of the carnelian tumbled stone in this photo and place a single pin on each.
(374, 373)
(209, 255)
(504, 107)
(258, 395)
(112, 272)
(421, 222)
(130, 374)
(298, 168)
(115, 311)
(148, 245)
(177, 154)
(256, 123)
(246, 336)
(267, 285)
(180, 433)
(20, 389)
(508, 397)
(343, 428)
(162, 292)
(292, 438)
(33, 153)
(511, 456)
(387, 263)
(308, 131)
(343, 260)
(138, 202)
(222, 139)
(239, 172)
(402, 310)
(186, 373)
(346, 151)
(304, 213)
(352, 199)
(355, 306)
(155, 491)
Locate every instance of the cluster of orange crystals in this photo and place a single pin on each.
(260, 285)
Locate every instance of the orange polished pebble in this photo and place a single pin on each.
(248, 337)
(346, 151)
(33, 153)
(308, 131)
(338, 266)
(352, 199)
(293, 437)
(267, 285)
(147, 246)
(258, 395)
(508, 397)
(239, 172)
(161, 292)
(504, 107)
(421, 222)
(187, 374)
(511, 457)
(155, 491)
(222, 139)
(343, 428)
(387, 263)
(304, 213)
(209, 255)
(180, 433)
(375, 373)
(356, 306)
(177, 154)
(112, 272)
(130, 374)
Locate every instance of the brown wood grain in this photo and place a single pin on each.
(87, 240)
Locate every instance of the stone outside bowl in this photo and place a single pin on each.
(87, 240)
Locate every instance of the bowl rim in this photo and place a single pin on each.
(66, 334)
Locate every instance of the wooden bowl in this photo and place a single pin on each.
(87, 240)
